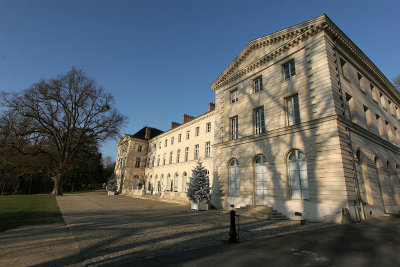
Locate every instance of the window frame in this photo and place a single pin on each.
(258, 85)
(234, 96)
(291, 68)
(196, 151)
(208, 127)
(296, 119)
(259, 120)
(208, 149)
(234, 123)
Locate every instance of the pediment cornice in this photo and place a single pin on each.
(289, 37)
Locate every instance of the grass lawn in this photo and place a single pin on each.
(17, 210)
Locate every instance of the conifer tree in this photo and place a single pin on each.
(199, 186)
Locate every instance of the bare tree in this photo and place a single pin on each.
(65, 114)
(396, 82)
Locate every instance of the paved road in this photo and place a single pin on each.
(112, 230)
(372, 243)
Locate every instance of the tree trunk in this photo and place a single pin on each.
(57, 190)
(16, 187)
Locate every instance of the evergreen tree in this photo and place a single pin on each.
(112, 183)
(199, 186)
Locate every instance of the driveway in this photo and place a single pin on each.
(117, 229)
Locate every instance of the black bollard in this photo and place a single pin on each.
(232, 231)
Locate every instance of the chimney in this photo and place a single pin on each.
(175, 124)
(211, 106)
(147, 133)
(187, 118)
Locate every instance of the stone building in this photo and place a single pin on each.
(304, 122)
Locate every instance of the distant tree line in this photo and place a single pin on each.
(50, 135)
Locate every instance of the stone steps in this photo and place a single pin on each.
(261, 212)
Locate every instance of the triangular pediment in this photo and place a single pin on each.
(262, 49)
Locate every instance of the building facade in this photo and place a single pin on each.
(304, 122)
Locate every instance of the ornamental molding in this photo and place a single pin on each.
(294, 36)
(350, 47)
(298, 34)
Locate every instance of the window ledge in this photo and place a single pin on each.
(346, 78)
(292, 77)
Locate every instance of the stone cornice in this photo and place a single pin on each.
(181, 127)
(294, 35)
(345, 41)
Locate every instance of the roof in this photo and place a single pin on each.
(142, 133)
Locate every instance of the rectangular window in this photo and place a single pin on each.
(289, 70)
(186, 153)
(179, 138)
(140, 148)
(164, 158)
(208, 127)
(396, 133)
(382, 98)
(345, 68)
(292, 110)
(259, 120)
(170, 157)
(159, 145)
(155, 146)
(234, 127)
(234, 96)
(196, 152)
(187, 135)
(380, 125)
(178, 155)
(166, 143)
(258, 86)
(137, 164)
(153, 161)
(197, 131)
(172, 140)
(208, 149)
(158, 160)
(389, 131)
(368, 117)
(373, 92)
(361, 82)
(390, 106)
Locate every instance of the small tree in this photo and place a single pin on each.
(199, 186)
(112, 184)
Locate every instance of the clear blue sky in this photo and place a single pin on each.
(158, 58)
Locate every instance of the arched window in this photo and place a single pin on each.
(169, 183)
(135, 182)
(176, 182)
(261, 173)
(234, 178)
(298, 177)
(162, 183)
(150, 185)
(185, 182)
(157, 184)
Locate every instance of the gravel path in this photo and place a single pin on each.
(117, 229)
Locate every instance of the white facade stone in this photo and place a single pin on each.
(344, 127)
